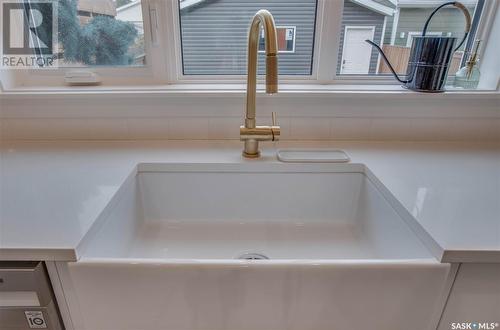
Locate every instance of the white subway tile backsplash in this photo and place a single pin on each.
(221, 128)
(390, 129)
(303, 128)
(285, 124)
(430, 129)
(473, 129)
(148, 128)
(188, 128)
(107, 129)
(302, 116)
(45, 129)
(224, 128)
(350, 128)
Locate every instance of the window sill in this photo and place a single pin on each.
(238, 90)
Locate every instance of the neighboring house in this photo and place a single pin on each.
(221, 49)
(86, 10)
(214, 32)
(214, 35)
(209, 49)
(410, 16)
(90, 8)
(408, 21)
(362, 19)
(132, 12)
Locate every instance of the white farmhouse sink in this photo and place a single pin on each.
(281, 211)
(165, 253)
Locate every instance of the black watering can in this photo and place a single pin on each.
(430, 57)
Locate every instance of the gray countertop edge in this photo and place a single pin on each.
(35, 254)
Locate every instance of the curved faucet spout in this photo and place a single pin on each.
(265, 18)
(249, 132)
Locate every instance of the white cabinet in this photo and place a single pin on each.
(474, 299)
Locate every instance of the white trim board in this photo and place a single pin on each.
(375, 6)
(430, 3)
(410, 35)
(379, 57)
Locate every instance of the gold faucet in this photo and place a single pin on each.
(250, 133)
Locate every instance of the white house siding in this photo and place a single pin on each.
(355, 15)
(214, 35)
(102, 7)
(132, 13)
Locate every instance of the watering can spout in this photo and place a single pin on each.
(387, 62)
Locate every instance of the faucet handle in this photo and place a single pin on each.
(275, 129)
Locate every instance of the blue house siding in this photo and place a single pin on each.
(360, 16)
(214, 35)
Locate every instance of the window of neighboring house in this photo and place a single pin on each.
(393, 25)
(286, 39)
(214, 35)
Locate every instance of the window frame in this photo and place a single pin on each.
(322, 7)
(325, 53)
(164, 66)
(484, 21)
(152, 73)
(412, 34)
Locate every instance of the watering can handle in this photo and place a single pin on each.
(460, 6)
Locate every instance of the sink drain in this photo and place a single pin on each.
(253, 256)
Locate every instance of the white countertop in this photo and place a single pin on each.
(51, 193)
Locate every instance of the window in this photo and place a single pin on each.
(113, 42)
(392, 25)
(214, 35)
(100, 33)
(146, 42)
